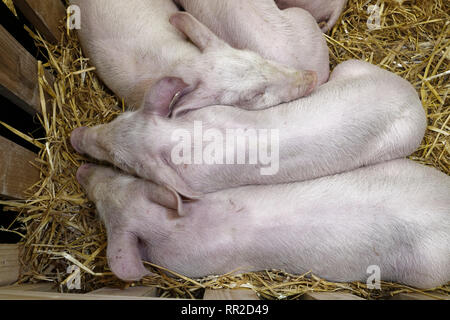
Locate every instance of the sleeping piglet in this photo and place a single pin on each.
(134, 43)
(393, 216)
(363, 115)
(326, 12)
(291, 37)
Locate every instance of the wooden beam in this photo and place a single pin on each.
(6, 294)
(16, 172)
(420, 296)
(45, 15)
(330, 296)
(129, 292)
(36, 287)
(9, 263)
(18, 74)
(230, 294)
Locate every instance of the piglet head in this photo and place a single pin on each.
(139, 143)
(119, 142)
(120, 202)
(92, 142)
(222, 75)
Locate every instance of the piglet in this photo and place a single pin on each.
(326, 12)
(291, 37)
(134, 43)
(363, 115)
(392, 217)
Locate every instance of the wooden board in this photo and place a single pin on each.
(16, 172)
(420, 296)
(18, 74)
(230, 294)
(129, 292)
(9, 263)
(44, 15)
(330, 296)
(36, 287)
(6, 294)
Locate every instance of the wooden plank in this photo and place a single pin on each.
(129, 292)
(330, 296)
(14, 25)
(420, 296)
(6, 294)
(36, 287)
(230, 294)
(16, 172)
(45, 15)
(18, 74)
(9, 263)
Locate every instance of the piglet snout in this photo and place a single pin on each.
(83, 173)
(76, 138)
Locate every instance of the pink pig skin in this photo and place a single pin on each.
(135, 43)
(394, 215)
(363, 115)
(291, 37)
(326, 11)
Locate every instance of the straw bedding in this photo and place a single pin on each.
(60, 227)
(10, 5)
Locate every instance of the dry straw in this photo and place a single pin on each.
(10, 5)
(60, 224)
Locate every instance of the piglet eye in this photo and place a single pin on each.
(250, 99)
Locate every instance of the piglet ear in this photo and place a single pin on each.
(163, 94)
(197, 32)
(124, 257)
(179, 200)
(165, 196)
